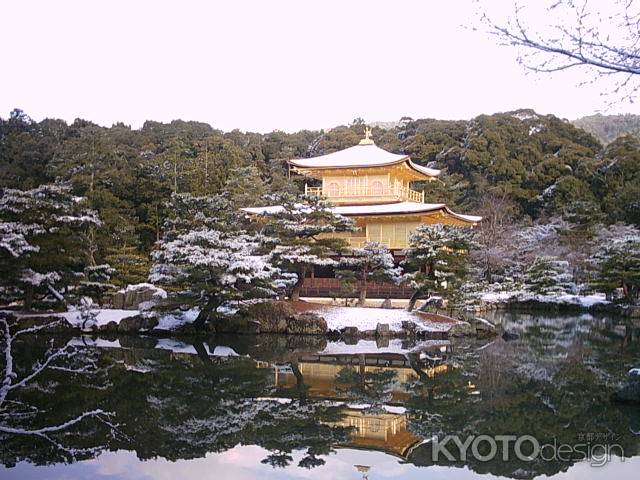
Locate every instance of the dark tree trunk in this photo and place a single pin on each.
(414, 298)
(295, 291)
(300, 385)
(363, 296)
(201, 350)
(28, 297)
(363, 287)
(205, 312)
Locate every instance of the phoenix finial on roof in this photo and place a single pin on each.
(367, 140)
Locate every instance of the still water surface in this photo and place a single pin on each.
(293, 407)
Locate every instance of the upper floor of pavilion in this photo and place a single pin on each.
(364, 174)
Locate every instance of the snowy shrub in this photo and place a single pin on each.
(617, 261)
(549, 276)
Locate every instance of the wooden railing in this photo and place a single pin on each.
(388, 192)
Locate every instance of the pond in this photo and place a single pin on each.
(303, 407)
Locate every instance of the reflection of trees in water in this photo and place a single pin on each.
(553, 384)
(31, 377)
(181, 408)
(187, 405)
(373, 386)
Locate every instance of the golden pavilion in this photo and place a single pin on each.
(373, 187)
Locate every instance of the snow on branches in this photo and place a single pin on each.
(13, 238)
(548, 275)
(437, 259)
(372, 262)
(300, 225)
(40, 236)
(211, 259)
(68, 359)
(617, 261)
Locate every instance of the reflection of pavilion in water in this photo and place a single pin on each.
(384, 428)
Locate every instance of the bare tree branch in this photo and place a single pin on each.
(602, 36)
(13, 410)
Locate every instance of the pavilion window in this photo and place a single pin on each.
(377, 188)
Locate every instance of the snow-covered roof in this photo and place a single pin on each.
(362, 155)
(397, 208)
(385, 208)
(400, 208)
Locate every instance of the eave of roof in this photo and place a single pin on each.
(399, 208)
(359, 156)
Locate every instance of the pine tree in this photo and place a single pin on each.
(96, 282)
(245, 187)
(42, 245)
(301, 225)
(617, 260)
(209, 260)
(548, 275)
(438, 256)
(130, 265)
(372, 262)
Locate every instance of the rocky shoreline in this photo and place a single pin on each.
(273, 318)
(282, 318)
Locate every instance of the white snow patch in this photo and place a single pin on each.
(86, 341)
(368, 318)
(137, 368)
(280, 400)
(177, 346)
(172, 321)
(222, 351)
(585, 301)
(104, 316)
(181, 347)
(363, 406)
(370, 346)
(363, 346)
(158, 292)
(524, 115)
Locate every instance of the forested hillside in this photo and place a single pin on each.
(607, 128)
(535, 166)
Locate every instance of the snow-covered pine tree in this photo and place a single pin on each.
(437, 257)
(548, 275)
(41, 239)
(300, 227)
(371, 262)
(209, 260)
(96, 282)
(617, 261)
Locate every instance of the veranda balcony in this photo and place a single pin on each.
(367, 194)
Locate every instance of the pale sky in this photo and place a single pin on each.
(265, 65)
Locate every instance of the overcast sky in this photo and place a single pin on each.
(266, 65)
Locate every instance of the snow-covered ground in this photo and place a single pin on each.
(337, 318)
(585, 301)
(172, 321)
(368, 318)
